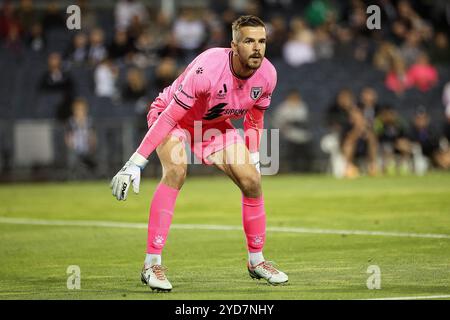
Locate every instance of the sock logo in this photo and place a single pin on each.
(158, 240)
(257, 240)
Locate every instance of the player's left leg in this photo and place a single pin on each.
(234, 161)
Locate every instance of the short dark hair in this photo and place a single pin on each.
(245, 21)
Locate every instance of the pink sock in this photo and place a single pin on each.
(161, 212)
(254, 221)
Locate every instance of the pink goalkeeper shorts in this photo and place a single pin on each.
(213, 137)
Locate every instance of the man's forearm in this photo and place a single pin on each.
(253, 126)
(161, 128)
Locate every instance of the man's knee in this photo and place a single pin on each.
(175, 175)
(250, 185)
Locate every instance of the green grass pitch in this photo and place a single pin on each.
(211, 264)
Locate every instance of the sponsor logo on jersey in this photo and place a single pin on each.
(180, 89)
(215, 111)
(219, 110)
(234, 112)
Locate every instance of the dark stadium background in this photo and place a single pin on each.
(35, 115)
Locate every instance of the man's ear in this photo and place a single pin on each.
(234, 47)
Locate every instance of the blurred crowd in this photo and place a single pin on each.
(413, 40)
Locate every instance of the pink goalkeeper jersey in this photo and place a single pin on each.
(210, 91)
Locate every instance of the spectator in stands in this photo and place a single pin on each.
(215, 31)
(399, 32)
(145, 51)
(26, 14)
(81, 141)
(447, 124)
(125, 10)
(121, 46)
(319, 12)
(78, 51)
(97, 49)
(135, 86)
(384, 56)
(410, 49)
(337, 116)
(423, 75)
(89, 16)
(440, 50)
(53, 17)
(8, 20)
(292, 118)
(446, 95)
(323, 44)
(409, 16)
(56, 80)
(276, 37)
(216, 38)
(170, 48)
(299, 48)
(446, 102)
(424, 134)
(355, 135)
(165, 74)
(344, 48)
(395, 146)
(368, 103)
(397, 79)
(105, 77)
(357, 18)
(36, 39)
(13, 41)
(135, 92)
(136, 28)
(189, 32)
(161, 26)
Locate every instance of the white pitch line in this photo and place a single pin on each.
(129, 225)
(414, 298)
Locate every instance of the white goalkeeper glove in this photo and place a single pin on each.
(130, 173)
(254, 158)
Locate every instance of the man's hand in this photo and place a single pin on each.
(130, 173)
(254, 158)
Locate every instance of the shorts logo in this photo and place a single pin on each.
(256, 92)
(199, 70)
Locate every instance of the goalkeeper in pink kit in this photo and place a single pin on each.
(219, 85)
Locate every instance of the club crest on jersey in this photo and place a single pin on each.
(256, 92)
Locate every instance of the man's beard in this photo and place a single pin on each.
(254, 66)
(247, 63)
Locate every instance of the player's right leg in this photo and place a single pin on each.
(233, 160)
(172, 154)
